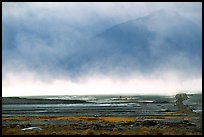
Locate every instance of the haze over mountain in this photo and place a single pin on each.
(144, 50)
(163, 39)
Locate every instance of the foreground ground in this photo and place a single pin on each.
(103, 115)
(81, 125)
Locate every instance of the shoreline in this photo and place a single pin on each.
(18, 100)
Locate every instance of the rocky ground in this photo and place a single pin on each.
(76, 125)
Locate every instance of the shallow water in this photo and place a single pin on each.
(102, 106)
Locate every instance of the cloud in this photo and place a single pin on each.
(27, 84)
(78, 14)
(56, 42)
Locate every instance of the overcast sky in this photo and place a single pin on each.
(47, 48)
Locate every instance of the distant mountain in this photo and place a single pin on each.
(163, 38)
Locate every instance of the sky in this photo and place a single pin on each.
(96, 48)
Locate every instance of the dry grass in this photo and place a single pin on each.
(77, 130)
(76, 118)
